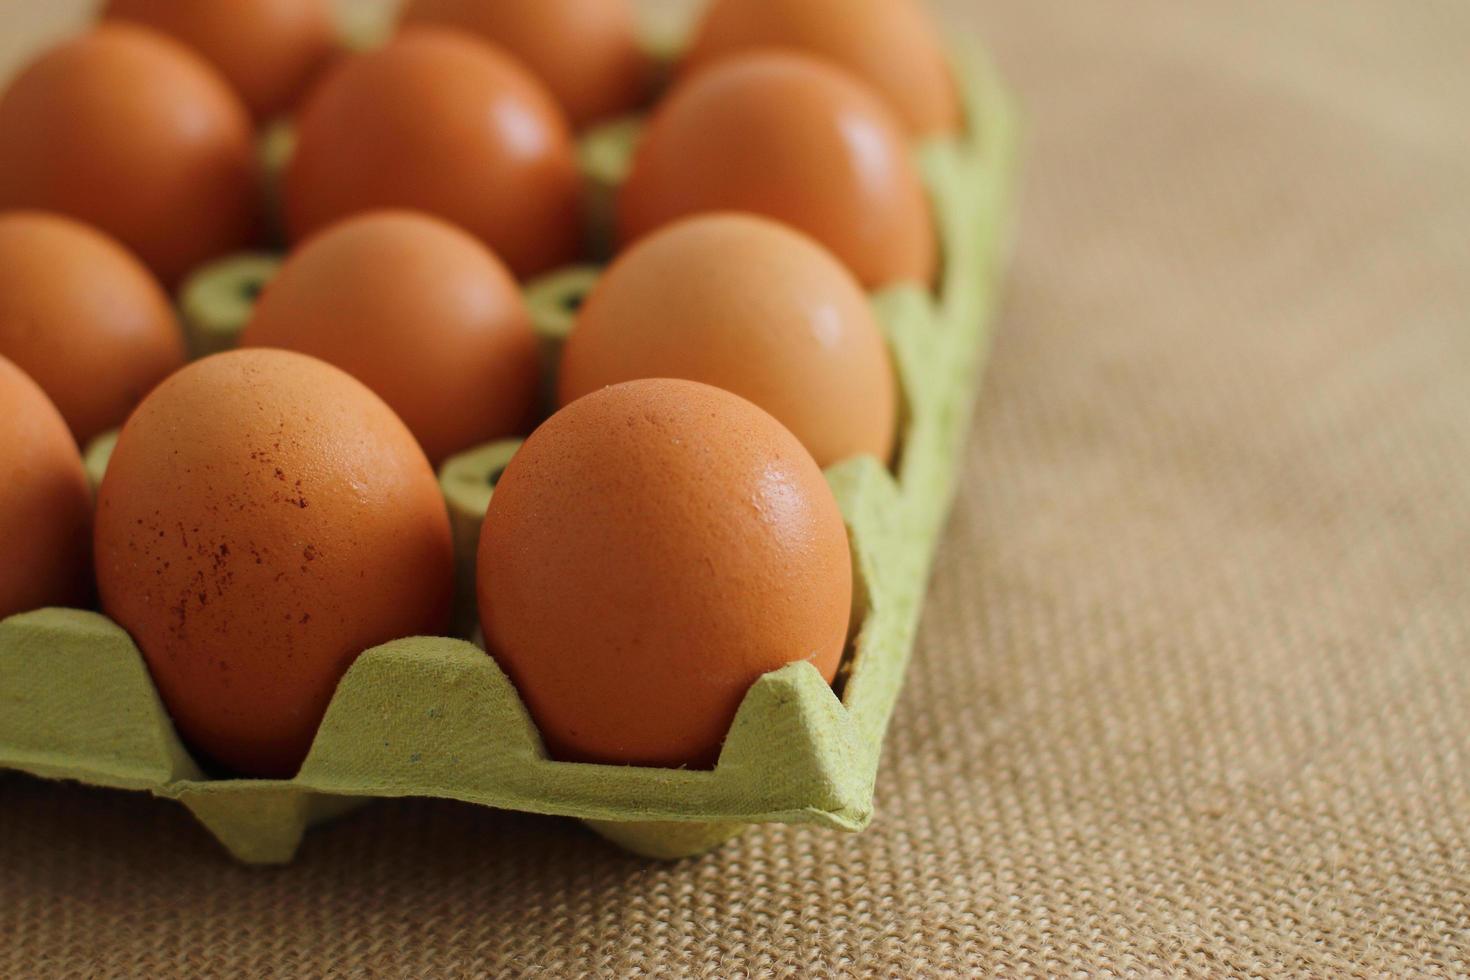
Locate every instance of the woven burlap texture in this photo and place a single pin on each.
(1192, 694)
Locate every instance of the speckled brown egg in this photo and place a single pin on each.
(793, 138)
(45, 504)
(126, 129)
(264, 519)
(83, 317)
(419, 311)
(751, 306)
(652, 550)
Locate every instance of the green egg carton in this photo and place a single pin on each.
(436, 716)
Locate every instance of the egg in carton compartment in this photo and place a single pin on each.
(437, 717)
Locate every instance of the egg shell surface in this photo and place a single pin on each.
(652, 550)
(438, 120)
(419, 311)
(84, 318)
(752, 306)
(45, 502)
(269, 50)
(797, 140)
(585, 51)
(892, 45)
(126, 129)
(263, 520)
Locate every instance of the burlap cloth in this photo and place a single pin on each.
(1192, 693)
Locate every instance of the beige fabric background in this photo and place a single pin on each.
(1193, 687)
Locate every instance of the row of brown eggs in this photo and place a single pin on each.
(656, 545)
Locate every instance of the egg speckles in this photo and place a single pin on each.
(651, 551)
(264, 519)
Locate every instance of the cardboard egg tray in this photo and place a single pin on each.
(435, 716)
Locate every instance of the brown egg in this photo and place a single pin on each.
(757, 309)
(84, 318)
(420, 312)
(268, 49)
(890, 44)
(439, 121)
(45, 503)
(794, 139)
(264, 519)
(652, 550)
(128, 130)
(585, 51)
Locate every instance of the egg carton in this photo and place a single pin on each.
(436, 717)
